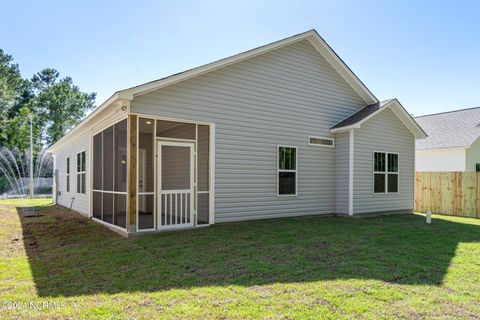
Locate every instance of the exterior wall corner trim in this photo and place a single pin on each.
(350, 172)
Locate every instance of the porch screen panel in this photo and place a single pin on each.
(97, 161)
(175, 168)
(203, 178)
(146, 177)
(110, 174)
(97, 205)
(108, 159)
(145, 211)
(108, 207)
(120, 154)
(120, 214)
(202, 208)
(203, 158)
(146, 174)
(176, 130)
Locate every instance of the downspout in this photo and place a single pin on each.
(350, 172)
(335, 182)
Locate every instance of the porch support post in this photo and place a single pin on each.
(132, 174)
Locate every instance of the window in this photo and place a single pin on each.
(477, 167)
(287, 170)
(81, 175)
(321, 142)
(385, 172)
(68, 174)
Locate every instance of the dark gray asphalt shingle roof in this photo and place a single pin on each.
(450, 129)
(359, 115)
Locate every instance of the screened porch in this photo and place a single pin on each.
(153, 174)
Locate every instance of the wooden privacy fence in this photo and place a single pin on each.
(452, 193)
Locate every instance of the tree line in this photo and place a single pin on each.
(54, 102)
(55, 105)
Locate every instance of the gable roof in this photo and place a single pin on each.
(312, 36)
(453, 129)
(357, 119)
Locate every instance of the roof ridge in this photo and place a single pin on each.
(444, 112)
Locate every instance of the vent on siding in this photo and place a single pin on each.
(321, 141)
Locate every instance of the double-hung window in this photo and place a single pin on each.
(287, 171)
(68, 175)
(385, 172)
(81, 173)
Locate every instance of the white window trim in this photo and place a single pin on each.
(386, 173)
(283, 170)
(321, 145)
(67, 175)
(81, 172)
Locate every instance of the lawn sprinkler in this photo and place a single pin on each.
(429, 217)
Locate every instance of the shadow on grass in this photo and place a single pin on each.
(71, 255)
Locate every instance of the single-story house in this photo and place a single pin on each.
(283, 130)
(453, 142)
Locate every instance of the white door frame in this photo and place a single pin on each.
(160, 192)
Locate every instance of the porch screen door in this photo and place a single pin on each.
(175, 184)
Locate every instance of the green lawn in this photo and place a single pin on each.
(381, 267)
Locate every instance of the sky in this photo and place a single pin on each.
(425, 53)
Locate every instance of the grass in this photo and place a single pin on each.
(327, 268)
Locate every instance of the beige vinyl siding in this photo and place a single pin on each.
(342, 142)
(81, 201)
(278, 98)
(384, 132)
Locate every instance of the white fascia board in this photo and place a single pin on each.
(359, 123)
(345, 129)
(399, 111)
(342, 68)
(407, 120)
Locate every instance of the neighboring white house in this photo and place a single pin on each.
(453, 141)
(286, 129)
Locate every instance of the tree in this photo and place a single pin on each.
(58, 103)
(55, 104)
(10, 82)
(13, 91)
(17, 129)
